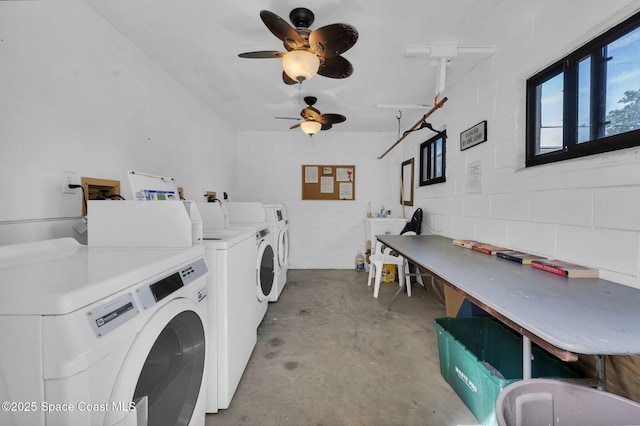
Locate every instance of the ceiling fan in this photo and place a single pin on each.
(308, 51)
(313, 120)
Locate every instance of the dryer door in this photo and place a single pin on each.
(283, 248)
(266, 270)
(164, 369)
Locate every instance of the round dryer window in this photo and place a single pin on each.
(169, 383)
(266, 271)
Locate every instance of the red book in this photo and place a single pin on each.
(487, 248)
(566, 269)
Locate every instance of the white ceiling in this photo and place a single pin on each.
(198, 42)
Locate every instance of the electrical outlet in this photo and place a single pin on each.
(69, 178)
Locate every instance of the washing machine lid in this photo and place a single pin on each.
(222, 239)
(59, 276)
(251, 226)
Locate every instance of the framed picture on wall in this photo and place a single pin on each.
(406, 183)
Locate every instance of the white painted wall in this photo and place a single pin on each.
(323, 234)
(76, 95)
(584, 210)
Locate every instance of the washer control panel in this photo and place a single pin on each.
(111, 315)
(262, 234)
(153, 293)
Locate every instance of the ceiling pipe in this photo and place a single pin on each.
(450, 51)
(442, 73)
(442, 54)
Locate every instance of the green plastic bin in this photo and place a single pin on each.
(479, 357)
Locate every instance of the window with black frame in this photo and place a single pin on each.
(589, 101)
(432, 160)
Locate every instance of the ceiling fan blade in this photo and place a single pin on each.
(326, 126)
(288, 80)
(281, 29)
(332, 40)
(337, 67)
(263, 54)
(332, 118)
(310, 113)
(295, 126)
(288, 118)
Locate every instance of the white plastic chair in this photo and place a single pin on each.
(378, 259)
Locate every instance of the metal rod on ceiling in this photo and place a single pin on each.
(424, 117)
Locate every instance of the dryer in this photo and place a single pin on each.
(101, 336)
(278, 221)
(252, 215)
(265, 272)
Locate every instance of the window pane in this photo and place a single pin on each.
(432, 159)
(623, 84)
(550, 103)
(584, 100)
(438, 160)
(425, 164)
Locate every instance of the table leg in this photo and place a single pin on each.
(601, 372)
(396, 295)
(526, 357)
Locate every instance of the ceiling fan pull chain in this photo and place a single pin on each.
(399, 116)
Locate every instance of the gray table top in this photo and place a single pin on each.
(579, 315)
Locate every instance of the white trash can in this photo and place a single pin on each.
(537, 402)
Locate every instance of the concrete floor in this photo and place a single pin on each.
(328, 353)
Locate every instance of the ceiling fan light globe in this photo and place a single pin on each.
(300, 65)
(310, 127)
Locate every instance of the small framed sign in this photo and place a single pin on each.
(473, 136)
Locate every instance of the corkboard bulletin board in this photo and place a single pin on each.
(328, 182)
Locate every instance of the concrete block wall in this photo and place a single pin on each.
(584, 210)
(323, 234)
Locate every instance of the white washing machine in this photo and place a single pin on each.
(100, 336)
(278, 221)
(232, 256)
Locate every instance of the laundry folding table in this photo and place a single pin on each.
(565, 316)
